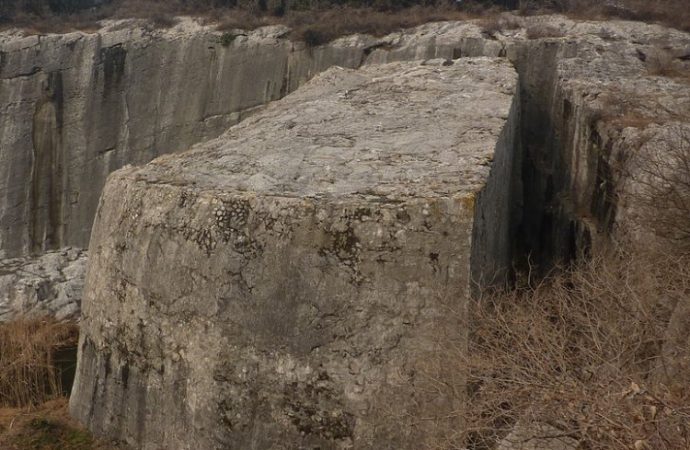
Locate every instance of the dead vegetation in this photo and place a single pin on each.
(544, 31)
(576, 358)
(660, 173)
(321, 21)
(662, 63)
(673, 13)
(36, 357)
(47, 427)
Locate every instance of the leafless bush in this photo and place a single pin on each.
(662, 63)
(495, 23)
(321, 26)
(661, 172)
(540, 31)
(28, 371)
(576, 357)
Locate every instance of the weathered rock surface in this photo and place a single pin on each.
(280, 286)
(77, 106)
(46, 286)
(589, 95)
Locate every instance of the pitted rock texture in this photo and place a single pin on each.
(281, 286)
(46, 286)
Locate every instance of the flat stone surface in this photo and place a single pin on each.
(284, 286)
(394, 131)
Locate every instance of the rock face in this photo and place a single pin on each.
(77, 106)
(50, 285)
(280, 286)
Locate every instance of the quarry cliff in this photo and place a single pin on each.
(276, 276)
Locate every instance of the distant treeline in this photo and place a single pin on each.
(344, 16)
(10, 8)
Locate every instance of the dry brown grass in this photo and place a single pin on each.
(493, 24)
(320, 27)
(317, 23)
(316, 27)
(576, 356)
(663, 64)
(46, 427)
(661, 173)
(32, 364)
(673, 13)
(541, 31)
(596, 355)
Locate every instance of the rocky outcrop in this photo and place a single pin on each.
(280, 286)
(591, 95)
(46, 286)
(77, 106)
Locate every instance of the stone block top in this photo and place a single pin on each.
(395, 131)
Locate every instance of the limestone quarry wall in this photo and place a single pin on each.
(588, 102)
(282, 285)
(77, 106)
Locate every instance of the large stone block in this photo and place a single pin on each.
(284, 285)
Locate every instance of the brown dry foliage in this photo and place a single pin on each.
(673, 13)
(491, 24)
(543, 31)
(580, 353)
(28, 371)
(320, 27)
(321, 21)
(45, 427)
(663, 193)
(661, 63)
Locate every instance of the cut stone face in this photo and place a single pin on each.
(284, 285)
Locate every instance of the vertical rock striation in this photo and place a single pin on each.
(77, 106)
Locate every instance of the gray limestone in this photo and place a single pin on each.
(74, 107)
(282, 285)
(45, 286)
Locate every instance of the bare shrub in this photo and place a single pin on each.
(493, 24)
(622, 110)
(576, 358)
(321, 26)
(29, 373)
(660, 171)
(541, 31)
(674, 13)
(662, 63)
(46, 427)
